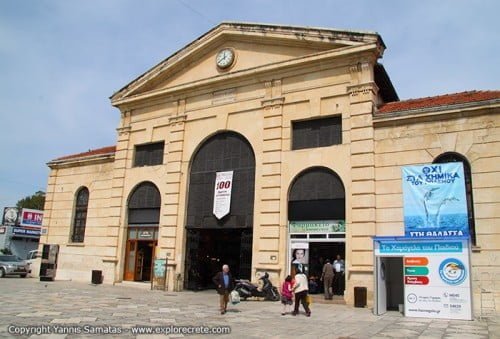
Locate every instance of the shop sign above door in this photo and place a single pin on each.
(146, 234)
(317, 226)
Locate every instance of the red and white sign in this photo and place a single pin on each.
(222, 194)
(31, 218)
(416, 280)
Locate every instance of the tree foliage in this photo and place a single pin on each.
(36, 201)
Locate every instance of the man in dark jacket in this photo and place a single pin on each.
(224, 283)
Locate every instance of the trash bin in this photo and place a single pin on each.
(96, 277)
(359, 296)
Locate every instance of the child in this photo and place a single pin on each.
(286, 294)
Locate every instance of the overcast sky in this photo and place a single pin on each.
(60, 61)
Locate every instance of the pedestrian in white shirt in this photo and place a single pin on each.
(338, 279)
(301, 288)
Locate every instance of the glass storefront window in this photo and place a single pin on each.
(132, 233)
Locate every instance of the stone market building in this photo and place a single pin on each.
(311, 129)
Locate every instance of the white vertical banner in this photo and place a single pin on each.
(222, 194)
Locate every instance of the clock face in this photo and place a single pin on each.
(225, 58)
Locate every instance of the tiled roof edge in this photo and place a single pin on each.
(90, 153)
(445, 101)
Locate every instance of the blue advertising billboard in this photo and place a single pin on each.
(434, 200)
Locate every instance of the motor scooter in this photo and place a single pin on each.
(246, 289)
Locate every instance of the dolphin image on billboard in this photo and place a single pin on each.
(434, 200)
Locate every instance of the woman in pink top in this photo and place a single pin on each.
(286, 294)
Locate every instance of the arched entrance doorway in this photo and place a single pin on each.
(142, 231)
(211, 241)
(316, 214)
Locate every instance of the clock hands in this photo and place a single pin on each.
(225, 58)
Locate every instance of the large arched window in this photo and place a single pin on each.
(212, 241)
(455, 157)
(317, 194)
(80, 219)
(144, 205)
(227, 151)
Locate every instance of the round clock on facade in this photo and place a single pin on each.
(225, 58)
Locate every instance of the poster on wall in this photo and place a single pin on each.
(222, 194)
(159, 281)
(434, 200)
(299, 256)
(437, 283)
(436, 276)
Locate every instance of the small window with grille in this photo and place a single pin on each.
(316, 133)
(149, 154)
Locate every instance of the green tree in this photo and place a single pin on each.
(36, 201)
(6, 251)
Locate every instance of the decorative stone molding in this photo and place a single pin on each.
(224, 96)
(123, 130)
(177, 119)
(273, 94)
(353, 69)
(272, 88)
(268, 86)
(274, 102)
(276, 89)
(361, 72)
(180, 106)
(363, 89)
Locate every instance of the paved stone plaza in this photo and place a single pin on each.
(84, 309)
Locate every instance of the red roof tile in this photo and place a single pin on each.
(441, 100)
(99, 151)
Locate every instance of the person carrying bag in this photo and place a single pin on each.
(301, 289)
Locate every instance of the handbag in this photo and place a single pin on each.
(308, 299)
(235, 297)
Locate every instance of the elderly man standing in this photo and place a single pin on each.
(224, 284)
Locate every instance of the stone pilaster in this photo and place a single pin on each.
(117, 227)
(269, 242)
(48, 207)
(362, 94)
(171, 227)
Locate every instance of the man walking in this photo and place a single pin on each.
(224, 284)
(301, 288)
(327, 277)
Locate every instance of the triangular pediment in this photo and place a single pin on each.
(254, 46)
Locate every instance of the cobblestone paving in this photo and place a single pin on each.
(65, 309)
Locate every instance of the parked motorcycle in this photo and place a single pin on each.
(246, 289)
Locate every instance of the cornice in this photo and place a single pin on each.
(82, 161)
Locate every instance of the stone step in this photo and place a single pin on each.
(320, 299)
